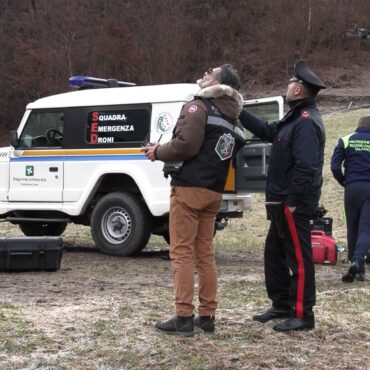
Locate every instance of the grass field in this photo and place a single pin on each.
(98, 311)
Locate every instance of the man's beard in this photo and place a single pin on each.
(199, 82)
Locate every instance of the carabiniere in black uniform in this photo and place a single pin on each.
(294, 179)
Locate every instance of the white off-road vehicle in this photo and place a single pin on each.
(76, 158)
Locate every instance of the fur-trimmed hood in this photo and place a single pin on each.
(227, 99)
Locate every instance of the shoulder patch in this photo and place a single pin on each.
(305, 114)
(193, 108)
(225, 146)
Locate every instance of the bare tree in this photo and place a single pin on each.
(43, 42)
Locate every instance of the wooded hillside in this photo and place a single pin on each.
(44, 42)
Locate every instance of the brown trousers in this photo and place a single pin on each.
(192, 219)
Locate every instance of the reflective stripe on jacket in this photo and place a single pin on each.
(350, 161)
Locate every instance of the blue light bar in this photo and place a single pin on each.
(86, 82)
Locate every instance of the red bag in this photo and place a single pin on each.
(324, 249)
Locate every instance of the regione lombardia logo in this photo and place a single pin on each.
(29, 171)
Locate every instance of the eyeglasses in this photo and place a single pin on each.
(209, 70)
(295, 79)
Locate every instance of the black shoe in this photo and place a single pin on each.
(349, 276)
(178, 325)
(293, 323)
(206, 323)
(360, 276)
(272, 313)
(165, 256)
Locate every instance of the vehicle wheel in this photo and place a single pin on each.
(42, 229)
(120, 224)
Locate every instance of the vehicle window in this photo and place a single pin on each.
(117, 126)
(268, 111)
(42, 130)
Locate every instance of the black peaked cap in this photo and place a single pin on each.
(303, 72)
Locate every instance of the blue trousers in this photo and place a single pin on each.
(357, 208)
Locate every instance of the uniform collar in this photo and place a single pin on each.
(362, 129)
(301, 102)
(296, 106)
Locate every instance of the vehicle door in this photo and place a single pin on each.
(36, 161)
(252, 161)
(102, 140)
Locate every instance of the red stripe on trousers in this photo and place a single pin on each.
(298, 254)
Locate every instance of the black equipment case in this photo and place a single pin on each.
(31, 253)
(321, 223)
(324, 224)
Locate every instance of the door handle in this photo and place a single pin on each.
(53, 169)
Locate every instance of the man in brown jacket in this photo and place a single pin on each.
(206, 137)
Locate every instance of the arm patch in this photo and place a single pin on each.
(305, 114)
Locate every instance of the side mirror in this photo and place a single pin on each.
(14, 139)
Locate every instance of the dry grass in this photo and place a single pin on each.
(98, 311)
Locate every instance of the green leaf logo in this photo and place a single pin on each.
(29, 170)
(164, 122)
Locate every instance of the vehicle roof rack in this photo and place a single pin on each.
(86, 82)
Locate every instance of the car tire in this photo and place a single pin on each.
(42, 229)
(120, 224)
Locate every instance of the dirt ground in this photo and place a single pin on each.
(98, 312)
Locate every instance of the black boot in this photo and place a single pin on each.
(178, 325)
(272, 313)
(206, 323)
(349, 276)
(360, 276)
(294, 323)
(165, 256)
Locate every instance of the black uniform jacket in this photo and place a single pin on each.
(297, 154)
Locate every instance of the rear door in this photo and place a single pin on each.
(100, 140)
(252, 161)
